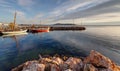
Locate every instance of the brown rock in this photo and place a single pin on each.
(103, 69)
(68, 70)
(52, 64)
(89, 67)
(57, 60)
(54, 60)
(45, 60)
(33, 66)
(99, 60)
(55, 68)
(72, 63)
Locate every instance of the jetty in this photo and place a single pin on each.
(81, 28)
(63, 27)
(55, 27)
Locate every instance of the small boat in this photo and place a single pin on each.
(40, 30)
(13, 32)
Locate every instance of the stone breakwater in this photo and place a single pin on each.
(94, 62)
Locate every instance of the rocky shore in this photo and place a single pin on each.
(94, 62)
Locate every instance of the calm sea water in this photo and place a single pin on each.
(16, 50)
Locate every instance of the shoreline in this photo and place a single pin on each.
(94, 62)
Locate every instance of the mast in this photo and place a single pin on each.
(14, 22)
(15, 18)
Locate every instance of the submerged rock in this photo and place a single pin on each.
(94, 62)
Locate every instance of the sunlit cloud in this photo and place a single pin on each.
(34, 11)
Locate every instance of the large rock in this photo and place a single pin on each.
(89, 67)
(55, 68)
(72, 63)
(52, 64)
(54, 60)
(68, 70)
(100, 61)
(33, 66)
(57, 60)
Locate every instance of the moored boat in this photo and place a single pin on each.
(40, 30)
(13, 32)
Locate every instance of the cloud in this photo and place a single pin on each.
(31, 20)
(40, 15)
(58, 1)
(25, 2)
(5, 4)
(110, 8)
(75, 8)
(31, 11)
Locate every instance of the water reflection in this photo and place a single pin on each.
(18, 49)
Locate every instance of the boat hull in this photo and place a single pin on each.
(10, 35)
(13, 32)
(38, 30)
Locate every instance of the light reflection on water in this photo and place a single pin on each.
(16, 50)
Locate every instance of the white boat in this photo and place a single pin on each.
(14, 32)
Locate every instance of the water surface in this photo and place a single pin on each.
(16, 50)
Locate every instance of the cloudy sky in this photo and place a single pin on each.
(53, 11)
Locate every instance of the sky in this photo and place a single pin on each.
(98, 12)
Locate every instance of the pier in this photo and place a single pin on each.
(67, 28)
(56, 27)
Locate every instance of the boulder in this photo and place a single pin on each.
(55, 68)
(100, 61)
(89, 67)
(57, 60)
(72, 63)
(33, 66)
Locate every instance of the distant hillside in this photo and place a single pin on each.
(64, 24)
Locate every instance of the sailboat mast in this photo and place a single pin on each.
(15, 18)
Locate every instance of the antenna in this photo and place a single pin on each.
(40, 22)
(81, 21)
(73, 20)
